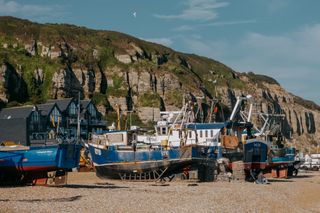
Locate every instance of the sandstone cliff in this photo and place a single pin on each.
(57, 61)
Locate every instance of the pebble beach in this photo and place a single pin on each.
(87, 193)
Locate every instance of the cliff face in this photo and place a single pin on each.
(12, 84)
(58, 61)
(301, 121)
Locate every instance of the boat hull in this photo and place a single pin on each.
(150, 170)
(28, 163)
(255, 154)
(148, 163)
(287, 158)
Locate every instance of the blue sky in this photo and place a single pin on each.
(279, 38)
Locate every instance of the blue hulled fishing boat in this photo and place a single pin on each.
(286, 156)
(115, 155)
(255, 154)
(23, 164)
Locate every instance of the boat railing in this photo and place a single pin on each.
(191, 141)
(43, 142)
(211, 142)
(137, 148)
(148, 139)
(123, 147)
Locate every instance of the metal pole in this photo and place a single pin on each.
(250, 113)
(118, 117)
(235, 109)
(215, 90)
(78, 120)
(130, 119)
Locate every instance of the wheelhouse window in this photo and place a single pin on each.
(201, 134)
(162, 130)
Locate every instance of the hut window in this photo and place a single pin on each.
(35, 117)
(72, 109)
(92, 111)
(55, 115)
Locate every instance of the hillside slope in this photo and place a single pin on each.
(42, 61)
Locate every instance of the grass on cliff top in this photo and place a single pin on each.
(306, 103)
(106, 58)
(259, 79)
(84, 38)
(208, 70)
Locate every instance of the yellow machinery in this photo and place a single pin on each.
(8, 143)
(85, 162)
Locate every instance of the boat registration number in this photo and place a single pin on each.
(97, 151)
(257, 145)
(164, 153)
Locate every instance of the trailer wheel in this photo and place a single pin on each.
(290, 171)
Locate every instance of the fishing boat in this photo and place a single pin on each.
(235, 139)
(116, 155)
(27, 164)
(24, 164)
(279, 155)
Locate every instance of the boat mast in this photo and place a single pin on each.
(78, 120)
(118, 116)
(237, 106)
